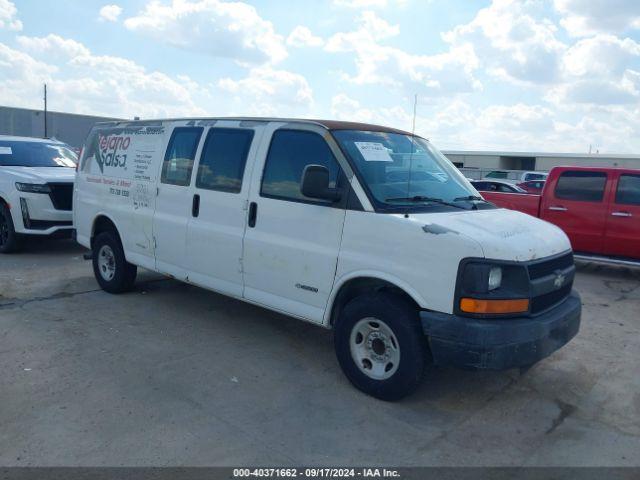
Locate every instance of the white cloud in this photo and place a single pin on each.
(523, 127)
(110, 13)
(521, 116)
(344, 107)
(601, 55)
(52, 47)
(368, 3)
(219, 28)
(266, 91)
(370, 30)
(513, 42)
(8, 12)
(586, 17)
(301, 36)
(455, 124)
(569, 91)
(435, 75)
(598, 91)
(598, 71)
(90, 84)
(22, 78)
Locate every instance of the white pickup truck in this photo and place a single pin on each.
(36, 189)
(365, 229)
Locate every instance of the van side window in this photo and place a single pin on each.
(581, 186)
(178, 161)
(628, 190)
(223, 159)
(290, 152)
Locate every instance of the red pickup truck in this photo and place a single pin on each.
(598, 208)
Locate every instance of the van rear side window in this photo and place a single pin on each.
(581, 186)
(181, 152)
(223, 159)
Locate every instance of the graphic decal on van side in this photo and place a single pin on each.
(123, 159)
(116, 149)
(108, 146)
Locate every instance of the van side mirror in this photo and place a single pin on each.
(315, 184)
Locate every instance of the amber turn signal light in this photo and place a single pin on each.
(474, 305)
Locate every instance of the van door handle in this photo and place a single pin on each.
(558, 209)
(195, 206)
(253, 214)
(621, 214)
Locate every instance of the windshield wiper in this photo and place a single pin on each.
(420, 198)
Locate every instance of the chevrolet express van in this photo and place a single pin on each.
(364, 229)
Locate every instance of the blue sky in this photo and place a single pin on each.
(544, 75)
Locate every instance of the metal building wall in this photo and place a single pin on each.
(544, 162)
(66, 127)
(547, 163)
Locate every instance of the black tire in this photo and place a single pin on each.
(10, 241)
(402, 319)
(123, 276)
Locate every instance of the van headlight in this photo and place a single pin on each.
(488, 287)
(33, 187)
(495, 278)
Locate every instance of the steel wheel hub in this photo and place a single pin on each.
(106, 263)
(374, 348)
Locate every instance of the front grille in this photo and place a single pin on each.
(61, 195)
(548, 300)
(547, 267)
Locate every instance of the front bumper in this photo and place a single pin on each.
(35, 214)
(501, 344)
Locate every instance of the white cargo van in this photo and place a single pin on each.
(36, 189)
(364, 229)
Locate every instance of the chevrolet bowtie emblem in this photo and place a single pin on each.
(559, 280)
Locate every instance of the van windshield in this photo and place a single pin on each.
(403, 171)
(36, 154)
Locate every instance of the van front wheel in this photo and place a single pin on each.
(110, 267)
(380, 345)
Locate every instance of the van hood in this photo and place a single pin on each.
(41, 174)
(501, 234)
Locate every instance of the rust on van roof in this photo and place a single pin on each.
(328, 124)
(344, 125)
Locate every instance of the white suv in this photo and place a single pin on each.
(365, 229)
(36, 189)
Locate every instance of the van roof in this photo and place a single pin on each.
(328, 124)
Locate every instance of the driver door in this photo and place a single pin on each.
(292, 242)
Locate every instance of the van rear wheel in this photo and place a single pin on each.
(380, 345)
(110, 267)
(10, 241)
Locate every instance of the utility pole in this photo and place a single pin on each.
(45, 110)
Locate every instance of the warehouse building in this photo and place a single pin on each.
(66, 127)
(476, 164)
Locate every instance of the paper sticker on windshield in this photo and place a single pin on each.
(374, 152)
(5, 151)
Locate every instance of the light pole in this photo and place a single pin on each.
(45, 110)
